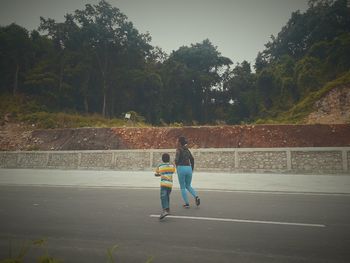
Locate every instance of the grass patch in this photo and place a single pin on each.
(24, 109)
(18, 257)
(26, 246)
(47, 120)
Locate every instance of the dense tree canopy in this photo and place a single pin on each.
(96, 61)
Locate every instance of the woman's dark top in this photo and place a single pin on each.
(184, 157)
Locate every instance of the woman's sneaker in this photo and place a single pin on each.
(198, 201)
(186, 206)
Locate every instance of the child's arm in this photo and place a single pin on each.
(157, 172)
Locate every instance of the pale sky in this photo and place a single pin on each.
(239, 28)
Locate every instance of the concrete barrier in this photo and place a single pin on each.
(332, 160)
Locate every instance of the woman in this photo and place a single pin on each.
(184, 162)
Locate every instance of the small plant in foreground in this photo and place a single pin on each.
(25, 246)
(23, 250)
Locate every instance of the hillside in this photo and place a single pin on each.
(333, 108)
(194, 85)
(13, 137)
(328, 105)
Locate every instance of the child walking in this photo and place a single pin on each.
(165, 170)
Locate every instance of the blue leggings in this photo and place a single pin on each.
(184, 174)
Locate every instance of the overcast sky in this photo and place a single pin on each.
(239, 28)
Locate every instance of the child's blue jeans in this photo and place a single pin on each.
(165, 196)
(185, 178)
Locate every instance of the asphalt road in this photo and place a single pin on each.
(80, 224)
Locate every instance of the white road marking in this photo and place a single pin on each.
(242, 221)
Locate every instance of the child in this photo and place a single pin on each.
(165, 170)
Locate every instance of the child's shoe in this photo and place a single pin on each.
(186, 206)
(163, 214)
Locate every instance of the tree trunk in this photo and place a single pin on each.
(112, 105)
(60, 84)
(206, 105)
(85, 91)
(86, 104)
(104, 94)
(103, 68)
(61, 76)
(15, 84)
(104, 102)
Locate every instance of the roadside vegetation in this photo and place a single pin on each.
(19, 252)
(27, 111)
(96, 66)
(300, 111)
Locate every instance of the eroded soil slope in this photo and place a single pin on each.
(240, 136)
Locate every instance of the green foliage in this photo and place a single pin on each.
(45, 257)
(176, 124)
(24, 249)
(310, 51)
(18, 105)
(134, 116)
(110, 253)
(48, 120)
(15, 56)
(309, 75)
(190, 77)
(305, 106)
(97, 62)
(24, 109)
(323, 21)
(240, 88)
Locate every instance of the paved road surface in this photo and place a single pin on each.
(81, 223)
(202, 180)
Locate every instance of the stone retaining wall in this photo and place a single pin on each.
(281, 160)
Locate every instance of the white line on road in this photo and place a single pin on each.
(243, 221)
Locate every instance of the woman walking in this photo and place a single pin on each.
(184, 162)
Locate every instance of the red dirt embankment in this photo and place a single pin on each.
(246, 136)
(14, 137)
(240, 136)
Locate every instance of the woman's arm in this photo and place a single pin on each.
(177, 156)
(191, 160)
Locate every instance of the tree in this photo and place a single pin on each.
(192, 73)
(110, 36)
(323, 21)
(65, 41)
(310, 50)
(15, 52)
(240, 91)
